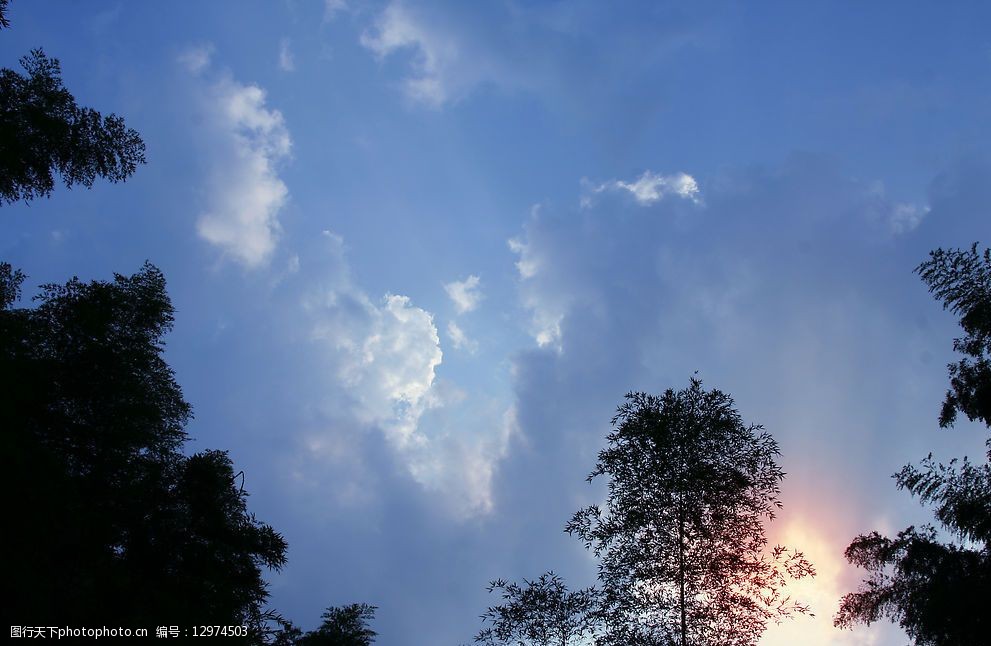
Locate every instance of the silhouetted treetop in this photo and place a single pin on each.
(43, 131)
(684, 558)
(962, 281)
(540, 613)
(343, 626)
(936, 590)
(114, 522)
(10, 285)
(4, 22)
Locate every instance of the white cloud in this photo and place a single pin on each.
(388, 354)
(650, 188)
(905, 217)
(897, 217)
(196, 59)
(465, 294)
(287, 62)
(526, 265)
(383, 359)
(460, 339)
(333, 7)
(396, 29)
(463, 465)
(546, 309)
(244, 191)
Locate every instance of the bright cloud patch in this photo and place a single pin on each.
(244, 191)
(547, 309)
(384, 356)
(389, 353)
(398, 29)
(896, 217)
(465, 294)
(905, 217)
(650, 188)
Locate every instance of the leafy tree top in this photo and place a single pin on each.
(115, 522)
(542, 612)
(44, 132)
(343, 626)
(961, 279)
(938, 590)
(681, 541)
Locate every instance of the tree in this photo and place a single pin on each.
(962, 281)
(937, 591)
(681, 542)
(110, 521)
(541, 612)
(43, 131)
(343, 626)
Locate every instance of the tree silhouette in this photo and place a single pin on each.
(962, 281)
(343, 626)
(112, 522)
(43, 131)
(541, 612)
(682, 546)
(938, 591)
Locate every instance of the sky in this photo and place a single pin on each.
(420, 250)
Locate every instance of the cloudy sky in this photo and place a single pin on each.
(420, 250)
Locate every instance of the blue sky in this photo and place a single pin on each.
(420, 250)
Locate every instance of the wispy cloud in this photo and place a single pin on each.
(398, 28)
(244, 192)
(905, 217)
(459, 339)
(897, 217)
(465, 294)
(650, 188)
(333, 7)
(547, 309)
(287, 62)
(197, 58)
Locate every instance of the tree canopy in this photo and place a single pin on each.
(113, 522)
(961, 279)
(542, 612)
(938, 590)
(681, 541)
(343, 626)
(43, 132)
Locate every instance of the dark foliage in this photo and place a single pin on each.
(541, 612)
(112, 522)
(962, 281)
(684, 558)
(4, 21)
(43, 131)
(343, 626)
(10, 285)
(938, 592)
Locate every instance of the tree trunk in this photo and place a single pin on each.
(681, 569)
